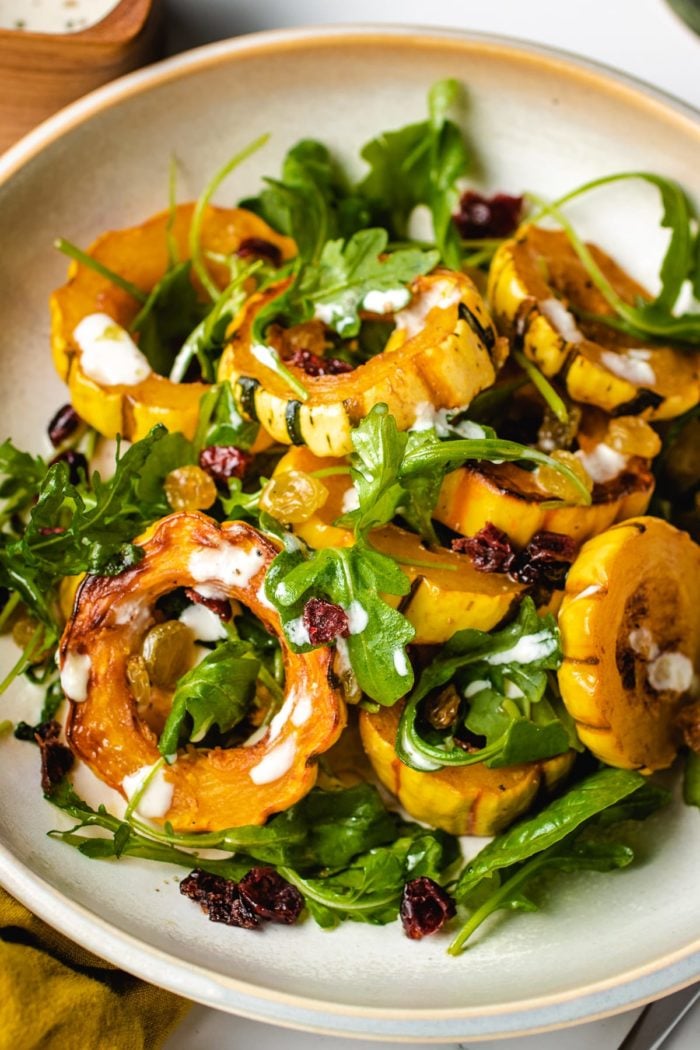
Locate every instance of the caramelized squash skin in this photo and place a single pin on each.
(631, 641)
(212, 788)
(534, 278)
(451, 357)
(473, 800)
(447, 593)
(140, 254)
(510, 498)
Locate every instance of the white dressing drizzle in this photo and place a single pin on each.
(75, 674)
(204, 624)
(561, 319)
(632, 365)
(276, 762)
(108, 353)
(157, 796)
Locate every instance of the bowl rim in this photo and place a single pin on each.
(599, 999)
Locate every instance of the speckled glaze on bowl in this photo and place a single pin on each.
(539, 120)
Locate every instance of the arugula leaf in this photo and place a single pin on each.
(216, 691)
(311, 202)
(171, 311)
(370, 889)
(98, 521)
(348, 270)
(561, 837)
(502, 674)
(353, 577)
(653, 318)
(691, 779)
(420, 164)
(220, 422)
(22, 475)
(206, 341)
(342, 849)
(379, 448)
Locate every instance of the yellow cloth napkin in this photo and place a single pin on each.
(56, 996)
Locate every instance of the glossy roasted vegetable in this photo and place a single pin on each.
(542, 298)
(203, 788)
(442, 352)
(140, 255)
(511, 498)
(471, 800)
(447, 593)
(630, 634)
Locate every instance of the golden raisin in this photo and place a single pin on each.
(138, 679)
(633, 437)
(168, 652)
(442, 708)
(190, 488)
(558, 485)
(293, 496)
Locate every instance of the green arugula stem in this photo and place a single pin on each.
(494, 902)
(10, 606)
(172, 213)
(138, 795)
(329, 472)
(415, 564)
(73, 252)
(352, 902)
(542, 384)
(32, 646)
(200, 208)
(454, 453)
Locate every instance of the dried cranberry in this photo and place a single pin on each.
(65, 422)
(51, 530)
(480, 216)
(222, 462)
(76, 462)
(220, 606)
(313, 365)
(490, 549)
(256, 248)
(545, 560)
(270, 896)
(56, 758)
(325, 621)
(425, 907)
(219, 899)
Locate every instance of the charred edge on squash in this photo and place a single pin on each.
(247, 390)
(486, 335)
(408, 598)
(292, 418)
(643, 400)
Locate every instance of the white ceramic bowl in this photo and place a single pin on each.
(539, 121)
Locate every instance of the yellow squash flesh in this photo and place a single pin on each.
(631, 597)
(447, 593)
(535, 278)
(473, 800)
(212, 788)
(445, 364)
(140, 255)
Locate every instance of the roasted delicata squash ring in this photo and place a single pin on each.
(630, 635)
(442, 353)
(534, 279)
(206, 789)
(511, 499)
(447, 593)
(471, 800)
(140, 255)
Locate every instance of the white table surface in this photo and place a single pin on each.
(641, 37)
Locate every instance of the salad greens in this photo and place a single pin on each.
(483, 697)
(502, 679)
